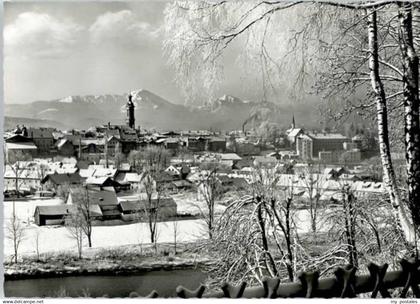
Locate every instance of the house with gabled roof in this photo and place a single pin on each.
(135, 209)
(104, 197)
(113, 145)
(128, 180)
(293, 134)
(174, 171)
(55, 181)
(17, 143)
(52, 214)
(92, 146)
(65, 147)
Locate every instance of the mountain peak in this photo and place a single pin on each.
(68, 99)
(224, 102)
(147, 98)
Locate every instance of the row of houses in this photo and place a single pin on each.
(43, 174)
(106, 205)
(111, 139)
(48, 142)
(103, 204)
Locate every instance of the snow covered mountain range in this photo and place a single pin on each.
(152, 111)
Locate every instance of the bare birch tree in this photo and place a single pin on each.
(82, 202)
(155, 161)
(410, 63)
(362, 224)
(151, 208)
(257, 235)
(63, 191)
(36, 243)
(349, 69)
(313, 182)
(211, 190)
(42, 172)
(15, 231)
(74, 225)
(135, 159)
(175, 229)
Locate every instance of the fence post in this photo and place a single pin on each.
(410, 270)
(270, 287)
(377, 274)
(185, 293)
(234, 292)
(345, 276)
(309, 281)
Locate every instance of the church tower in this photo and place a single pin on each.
(130, 112)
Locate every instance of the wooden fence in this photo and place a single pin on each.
(345, 284)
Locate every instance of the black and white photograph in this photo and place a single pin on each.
(211, 149)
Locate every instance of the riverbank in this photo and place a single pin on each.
(124, 260)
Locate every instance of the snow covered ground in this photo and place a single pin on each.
(57, 238)
(187, 203)
(25, 209)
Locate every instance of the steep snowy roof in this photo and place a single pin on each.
(21, 146)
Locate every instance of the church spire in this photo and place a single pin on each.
(293, 121)
(130, 112)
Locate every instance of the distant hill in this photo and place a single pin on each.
(11, 123)
(152, 111)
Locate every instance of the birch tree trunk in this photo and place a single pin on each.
(271, 264)
(410, 62)
(389, 177)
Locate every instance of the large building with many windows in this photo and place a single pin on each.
(314, 145)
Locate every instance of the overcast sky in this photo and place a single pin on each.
(54, 49)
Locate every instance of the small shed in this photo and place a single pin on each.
(51, 215)
(135, 208)
(59, 179)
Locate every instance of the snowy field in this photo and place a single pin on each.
(187, 203)
(57, 238)
(25, 209)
